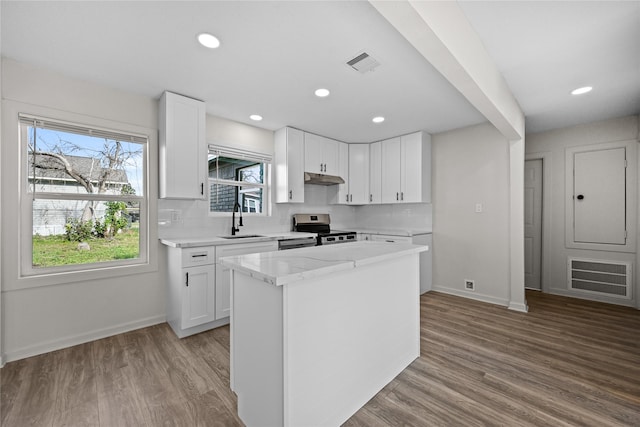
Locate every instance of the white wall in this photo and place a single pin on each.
(551, 146)
(471, 166)
(1, 208)
(39, 317)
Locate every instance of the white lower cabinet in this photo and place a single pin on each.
(198, 296)
(191, 289)
(199, 288)
(223, 277)
(426, 258)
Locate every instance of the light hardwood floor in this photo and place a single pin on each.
(565, 363)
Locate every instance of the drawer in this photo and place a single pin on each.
(392, 239)
(246, 248)
(198, 256)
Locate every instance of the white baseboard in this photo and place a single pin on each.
(516, 306)
(70, 341)
(472, 295)
(574, 294)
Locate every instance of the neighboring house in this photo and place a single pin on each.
(223, 197)
(50, 216)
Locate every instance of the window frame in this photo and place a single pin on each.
(240, 154)
(75, 272)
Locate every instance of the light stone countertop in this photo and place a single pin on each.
(283, 267)
(393, 231)
(194, 242)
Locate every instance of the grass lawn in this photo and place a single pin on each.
(51, 251)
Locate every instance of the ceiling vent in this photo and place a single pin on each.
(363, 63)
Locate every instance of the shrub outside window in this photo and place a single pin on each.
(86, 189)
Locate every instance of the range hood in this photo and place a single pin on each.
(320, 179)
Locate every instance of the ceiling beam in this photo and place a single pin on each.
(440, 31)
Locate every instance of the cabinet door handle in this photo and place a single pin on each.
(351, 197)
(290, 194)
(346, 198)
(371, 197)
(198, 256)
(397, 196)
(402, 195)
(580, 197)
(187, 282)
(202, 188)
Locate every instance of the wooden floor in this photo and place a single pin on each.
(565, 363)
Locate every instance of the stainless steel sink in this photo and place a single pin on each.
(242, 236)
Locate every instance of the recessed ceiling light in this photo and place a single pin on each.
(255, 117)
(208, 40)
(321, 93)
(581, 90)
(378, 119)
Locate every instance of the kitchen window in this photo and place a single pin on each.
(84, 197)
(237, 176)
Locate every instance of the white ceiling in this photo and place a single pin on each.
(275, 54)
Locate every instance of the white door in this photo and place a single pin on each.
(375, 173)
(599, 196)
(313, 160)
(532, 223)
(359, 173)
(331, 156)
(391, 170)
(411, 168)
(198, 300)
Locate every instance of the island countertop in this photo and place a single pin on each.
(283, 267)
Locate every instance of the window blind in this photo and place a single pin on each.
(239, 154)
(56, 125)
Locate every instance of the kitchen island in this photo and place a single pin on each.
(317, 332)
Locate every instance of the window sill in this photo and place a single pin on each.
(67, 277)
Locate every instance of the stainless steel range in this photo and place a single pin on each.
(321, 225)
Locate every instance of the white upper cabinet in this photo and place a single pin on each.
(341, 196)
(289, 165)
(406, 169)
(358, 174)
(415, 166)
(321, 155)
(354, 168)
(183, 149)
(375, 173)
(390, 170)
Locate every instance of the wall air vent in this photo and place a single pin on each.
(600, 277)
(363, 63)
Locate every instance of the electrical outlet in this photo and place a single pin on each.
(478, 207)
(469, 285)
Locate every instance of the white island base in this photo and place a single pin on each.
(312, 347)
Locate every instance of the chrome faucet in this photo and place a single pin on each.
(234, 229)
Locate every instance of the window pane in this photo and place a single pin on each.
(71, 232)
(232, 169)
(223, 198)
(69, 162)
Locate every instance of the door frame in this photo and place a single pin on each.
(545, 245)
